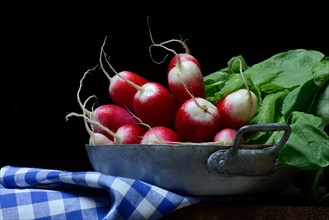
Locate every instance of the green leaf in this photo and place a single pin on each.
(321, 72)
(234, 64)
(308, 146)
(321, 105)
(287, 69)
(268, 113)
(300, 99)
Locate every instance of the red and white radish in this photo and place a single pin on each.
(121, 92)
(226, 136)
(197, 120)
(238, 107)
(182, 57)
(126, 134)
(94, 138)
(160, 135)
(111, 116)
(130, 134)
(153, 104)
(183, 68)
(188, 72)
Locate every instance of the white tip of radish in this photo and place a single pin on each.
(226, 136)
(188, 70)
(198, 114)
(237, 108)
(197, 120)
(99, 139)
(186, 81)
(160, 135)
(130, 133)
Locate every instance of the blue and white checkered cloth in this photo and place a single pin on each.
(35, 193)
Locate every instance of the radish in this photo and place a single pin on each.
(121, 92)
(126, 134)
(153, 104)
(111, 116)
(130, 134)
(238, 107)
(188, 72)
(226, 136)
(181, 57)
(183, 68)
(94, 138)
(197, 120)
(160, 135)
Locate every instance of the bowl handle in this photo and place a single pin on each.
(249, 162)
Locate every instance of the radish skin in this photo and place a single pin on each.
(197, 120)
(182, 69)
(111, 116)
(99, 139)
(154, 105)
(181, 57)
(237, 108)
(131, 133)
(226, 136)
(121, 92)
(126, 134)
(160, 135)
(94, 138)
(188, 73)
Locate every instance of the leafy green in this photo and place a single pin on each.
(299, 99)
(321, 105)
(292, 88)
(288, 69)
(308, 145)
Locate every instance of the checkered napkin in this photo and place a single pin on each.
(34, 193)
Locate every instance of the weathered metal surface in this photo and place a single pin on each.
(200, 169)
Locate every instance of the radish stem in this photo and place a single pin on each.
(139, 88)
(243, 78)
(187, 50)
(78, 93)
(203, 107)
(116, 137)
(101, 62)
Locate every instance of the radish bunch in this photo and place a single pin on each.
(147, 112)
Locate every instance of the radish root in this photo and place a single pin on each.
(88, 113)
(146, 125)
(243, 78)
(102, 52)
(247, 87)
(203, 107)
(96, 123)
(101, 60)
(182, 42)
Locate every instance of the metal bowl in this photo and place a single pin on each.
(201, 169)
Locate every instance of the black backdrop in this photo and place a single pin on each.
(48, 52)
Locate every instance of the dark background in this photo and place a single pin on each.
(47, 51)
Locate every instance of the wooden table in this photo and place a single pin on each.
(209, 211)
